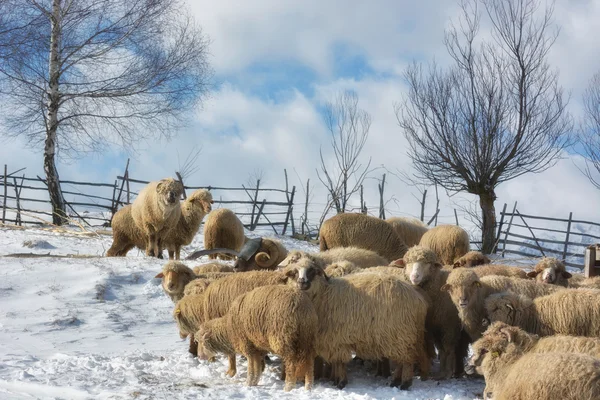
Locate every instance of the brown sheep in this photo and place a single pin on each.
(341, 268)
(270, 253)
(175, 275)
(468, 293)
(363, 231)
(275, 318)
(193, 210)
(156, 210)
(471, 259)
(362, 258)
(374, 315)
(223, 229)
(552, 271)
(488, 352)
(449, 242)
(189, 314)
(212, 267)
(566, 312)
(500, 270)
(126, 234)
(409, 229)
(197, 286)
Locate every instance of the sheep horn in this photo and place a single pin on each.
(250, 248)
(205, 252)
(266, 258)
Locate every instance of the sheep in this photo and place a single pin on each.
(468, 293)
(422, 269)
(362, 258)
(197, 286)
(341, 268)
(550, 270)
(175, 276)
(273, 318)
(374, 315)
(212, 267)
(155, 211)
(193, 210)
(566, 312)
(489, 352)
(578, 281)
(223, 229)
(449, 242)
(366, 232)
(500, 270)
(409, 229)
(126, 234)
(268, 255)
(471, 259)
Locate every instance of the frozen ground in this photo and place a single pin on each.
(101, 328)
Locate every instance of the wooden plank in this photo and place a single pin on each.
(118, 200)
(289, 213)
(547, 250)
(509, 226)
(5, 188)
(71, 182)
(502, 214)
(254, 204)
(181, 181)
(532, 234)
(18, 217)
(260, 210)
(567, 237)
(589, 264)
(520, 253)
(548, 240)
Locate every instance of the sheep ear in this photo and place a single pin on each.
(445, 288)
(160, 275)
(566, 275)
(160, 183)
(532, 274)
(399, 263)
(507, 334)
(510, 307)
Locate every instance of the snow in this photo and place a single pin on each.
(102, 328)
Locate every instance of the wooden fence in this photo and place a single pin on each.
(25, 201)
(534, 236)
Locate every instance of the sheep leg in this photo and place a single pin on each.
(319, 367)
(178, 252)
(152, 246)
(403, 376)
(283, 371)
(171, 254)
(461, 351)
(309, 373)
(193, 345)
(232, 368)
(254, 368)
(424, 363)
(447, 362)
(340, 377)
(290, 375)
(383, 368)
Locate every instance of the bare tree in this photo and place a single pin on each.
(77, 76)
(349, 128)
(589, 135)
(497, 113)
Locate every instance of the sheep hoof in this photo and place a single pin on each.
(231, 373)
(342, 383)
(288, 387)
(268, 360)
(398, 383)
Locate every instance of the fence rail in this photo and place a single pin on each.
(25, 200)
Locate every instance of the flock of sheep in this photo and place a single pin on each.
(393, 292)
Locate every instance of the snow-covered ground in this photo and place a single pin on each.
(101, 328)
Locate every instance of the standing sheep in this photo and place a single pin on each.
(156, 210)
(362, 258)
(189, 314)
(126, 234)
(408, 229)
(193, 210)
(223, 229)
(374, 315)
(566, 312)
(275, 318)
(363, 231)
(552, 271)
(449, 242)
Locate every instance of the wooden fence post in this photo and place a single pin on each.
(255, 200)
(305, 222)
(18, 201)
(499, 228)
(116, 204)
(423, 206)
(508, 228)
(258, 214)
(589, 266)
(126, 177)
(289, 212)
(456, 217)
(5, 187)
(564, 256)
(381, 204)
(181, 181)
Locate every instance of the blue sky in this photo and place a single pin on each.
(277, 62)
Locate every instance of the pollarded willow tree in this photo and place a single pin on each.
(590, 131)
(496, 113)
(77, 76)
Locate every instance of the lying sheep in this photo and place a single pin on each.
(193, 210)
(423, 269)
(489, 353)
(363, 231)
(500, 270)
(374, 315)
(410, 230)
(274, 318)
(578, 281)
(212, 267)
(566, 312)
(362, 258)
(471, 259)
(155, 211)
(269, 254)
(550, 270)
(468, 293)
(341, 268)
(449, 242)
(223, 229)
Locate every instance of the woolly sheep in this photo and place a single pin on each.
(274, 318)
(193, 210)
(362, 258)
(422, 269)
(499, 339)
(269, 254)
(126, 234)
(156, 210)
(500, 270)
(223, 229)
(175, 276)
(363, 231)
(409, 229)
(449, 242)
(578, 281)
(471, 259)
(468, 293)
(197, 286)
(212, 267)
(550, 270)
(566, 312)
(341, 268)
(374, 315)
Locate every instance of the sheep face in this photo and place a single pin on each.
(292, 258)
(203, 198)
(504, 307)
(463, 293)
(172, 282)
(472, 259)
(303, 275)
(169, 191)
(420, 271)
(550, 270)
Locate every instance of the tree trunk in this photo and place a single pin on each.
(488, 217)
(54, 190)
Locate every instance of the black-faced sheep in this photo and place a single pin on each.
(552, 271)
(193, 210)
(471, 259)
(374, 315)
(362, 258)
(410, 230)
(363, 231)
(489, 353)
(468, 293)
(566, 312)
(449, 242)
(156, 210)
(269, 254)
(223, 229)
(278, 319)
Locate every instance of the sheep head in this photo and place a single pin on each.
(212, 338)
(550, 270)
(305, 275)
(463, 286)
(175, 275)
(340, 268)
(202, 198)
(420, 263)
(506, 307)
(296, 256)
(267, 256)
(471, 259)
(169, 191)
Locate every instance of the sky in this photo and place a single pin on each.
(276, 63)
